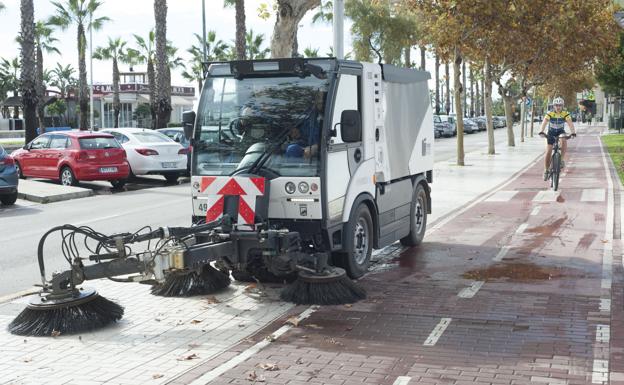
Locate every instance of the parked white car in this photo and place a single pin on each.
(151, 152)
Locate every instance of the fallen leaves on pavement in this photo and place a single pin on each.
(252, 376)
(157, 376)
(212, 300)
(189, 357)
(294, 321)
(268, 367)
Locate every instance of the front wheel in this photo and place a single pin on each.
(171, 178)
(556, 167)
(8, 199)
(67, 177)
(118, 184)
(418, 217)
(358, 243)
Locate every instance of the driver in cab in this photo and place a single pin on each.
(303, 139)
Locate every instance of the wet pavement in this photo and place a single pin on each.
(523, 287)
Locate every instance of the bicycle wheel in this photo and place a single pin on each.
(556, 167)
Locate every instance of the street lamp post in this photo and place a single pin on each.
(204, 29)
(91, 71)
(338, 29)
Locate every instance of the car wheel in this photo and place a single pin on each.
(418, 217)
(118, 184)
(20, 174)
(8, 199)
(358, 243)
(67, 177)
(171, 178)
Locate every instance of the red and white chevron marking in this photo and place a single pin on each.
(215, 188)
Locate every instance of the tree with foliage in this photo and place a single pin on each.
(289, 13)
(216, 49)
(116, 52)
(162, 101)
(28, 75)
(44, 41)
(58, 108)
(82, 14)
(63, 79)
(10, 78)
(254, 48)
(311, 52)
(144, 54)
(240, 42)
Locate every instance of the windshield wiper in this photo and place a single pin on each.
(266, 154)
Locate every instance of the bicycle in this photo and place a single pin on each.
(555, 160)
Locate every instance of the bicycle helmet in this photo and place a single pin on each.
(558, 101)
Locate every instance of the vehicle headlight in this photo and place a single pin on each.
(304, 187)
(290, 188)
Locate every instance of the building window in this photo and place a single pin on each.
(125, 116)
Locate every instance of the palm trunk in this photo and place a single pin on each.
(28, 75)
(487, 99)
(40, 90)
(477, 98)
(522, 118)
(163, 104)
(151, 77)
(116, 100)
(240, 30)
(437, 83)
(168, 93)
(532, 110)
(508, 100)
(458, 105)
(472, 101)
(289, 14)
(16, 108)
(407, 56)
(447, 100)
(83, 89)
(423, 51)
(464, 106)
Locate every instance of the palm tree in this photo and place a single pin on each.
(63, 78)
(10, 70)
(215, 50)
(79, 12)
(162, 102)
(324, 13)
(2, 6)
(44, 42)
(311, 52)
(115, 51)
(28, 75)
(145, 54)
(254, 42)
(241, 41)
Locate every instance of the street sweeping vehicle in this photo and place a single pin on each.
(299, 169)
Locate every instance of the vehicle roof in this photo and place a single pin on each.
(80, 133)
(132, 130)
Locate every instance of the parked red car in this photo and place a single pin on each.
(70, 156)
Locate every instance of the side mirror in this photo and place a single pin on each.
(177, 138)
(188, 121)
(350, 126)
(26, 147)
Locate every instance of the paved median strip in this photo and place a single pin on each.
(501, 254)
(470, 292)
(437, 332)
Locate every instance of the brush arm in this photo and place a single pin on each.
(79, 273)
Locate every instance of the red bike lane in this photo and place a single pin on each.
(523, 286)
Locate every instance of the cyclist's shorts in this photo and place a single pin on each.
(552, 135)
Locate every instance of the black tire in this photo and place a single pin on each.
(118, 184)
(418, 217)
(8, 199)
(20, 174)
(67, 177)
(172, 178)
(358, 243)
(556, 167)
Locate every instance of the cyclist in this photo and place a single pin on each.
(556, 121)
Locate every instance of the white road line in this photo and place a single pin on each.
(437, 332)
(536, 210)
(605, 305)
(501, 196)
(603, 334)
(501, 254)
(600, 372)
(243, 356)
(521, 228)
(546, 196)
(402, 380)
(593, 194)
(469, 292)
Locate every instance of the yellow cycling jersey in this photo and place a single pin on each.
(557, 119)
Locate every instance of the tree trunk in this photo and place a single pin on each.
(423, 52)
(522, 118)
(163, 104)
(508, 100)
(408, 57)
(168, 93)
(459, 89)
(447, 100)
(28, 75)
(477, 98)
(482, 105)
(40, 90)
(240, 30)
(532, 110)
(289, 14)
(464, 106)
(437, 84)
(16, 109)
(487, 98)
(116, 101)
(472, 102)
(83, 88)
(151, 76)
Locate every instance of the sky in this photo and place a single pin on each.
(137, 17)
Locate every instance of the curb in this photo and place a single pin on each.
(55, 197)
(19, 294)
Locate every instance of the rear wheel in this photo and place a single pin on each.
(358, 243)
(67, 177)
(418, 217)
(20, 174)
(171, 178)
(8, 199)
(118, 184)
(556, 167)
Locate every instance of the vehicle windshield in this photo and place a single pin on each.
(97, 142)
(240, 120)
